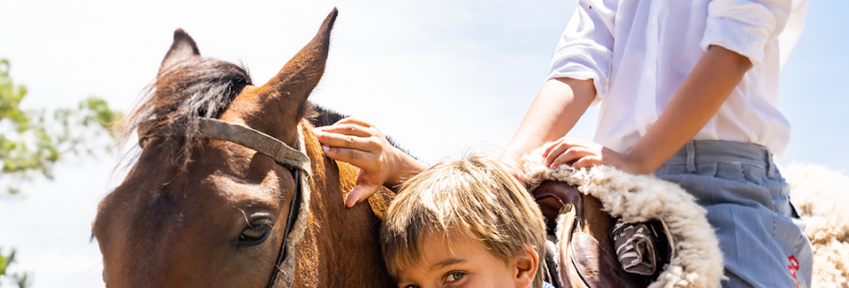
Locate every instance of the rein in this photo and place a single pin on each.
(295, 159)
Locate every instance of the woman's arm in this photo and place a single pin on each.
(555, 110)
(697, 100)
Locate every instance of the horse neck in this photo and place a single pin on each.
(340, 246)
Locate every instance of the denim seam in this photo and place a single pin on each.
(691, 157)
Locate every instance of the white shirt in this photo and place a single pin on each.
(639, 52)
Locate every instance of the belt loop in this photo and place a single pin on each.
(771, 169)
(691, 156)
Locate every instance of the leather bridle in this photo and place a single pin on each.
(294, 159)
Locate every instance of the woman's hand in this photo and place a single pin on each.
(363, 145)
(579, 154)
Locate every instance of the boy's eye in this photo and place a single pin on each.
(454, 276)
(412, 286)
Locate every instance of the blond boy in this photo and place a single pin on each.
(464, 223)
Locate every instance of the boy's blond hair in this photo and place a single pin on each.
(473, 196)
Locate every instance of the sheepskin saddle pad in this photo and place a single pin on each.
(586, 206)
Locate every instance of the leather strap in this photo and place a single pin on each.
(239, 134)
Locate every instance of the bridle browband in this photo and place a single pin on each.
(294, 159)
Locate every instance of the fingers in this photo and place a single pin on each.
(566, 150)
(351, 126)
(348, 141)
(553, 152)
(571, 155)
(586, 162)
(363, 145)
(365, 160)
(345, 129)
(564, 143)
(351, 133)
(360, 193)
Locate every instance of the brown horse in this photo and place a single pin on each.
(195, 211)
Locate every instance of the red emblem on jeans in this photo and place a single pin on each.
(793, 268)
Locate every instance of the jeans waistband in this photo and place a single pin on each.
(702, 151)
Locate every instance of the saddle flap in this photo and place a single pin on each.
(597, 267)
(586, 255)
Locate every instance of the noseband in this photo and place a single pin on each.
(294, 159)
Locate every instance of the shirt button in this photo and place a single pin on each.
(648, 127)
(650, 72)
(653, 20)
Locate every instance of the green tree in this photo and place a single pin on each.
(33, 141)
(19, 278)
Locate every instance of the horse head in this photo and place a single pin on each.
(198, 211)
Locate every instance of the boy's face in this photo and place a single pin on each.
(471, 265)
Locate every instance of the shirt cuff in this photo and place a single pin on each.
(580, 69)
(598, 83)
(742, 28)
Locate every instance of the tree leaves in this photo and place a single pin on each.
(21, 279)
(33, 141)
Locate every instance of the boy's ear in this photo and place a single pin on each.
(526, 267)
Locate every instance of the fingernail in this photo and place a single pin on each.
(325, 148)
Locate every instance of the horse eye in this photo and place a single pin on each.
(257, 231)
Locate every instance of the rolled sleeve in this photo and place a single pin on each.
(586, 47)
(745, 26)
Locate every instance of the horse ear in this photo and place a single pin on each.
(301, 74)
(183, 48)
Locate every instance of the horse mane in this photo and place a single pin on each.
(196, 87)
(320, 116)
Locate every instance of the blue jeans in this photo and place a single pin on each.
(748, 204)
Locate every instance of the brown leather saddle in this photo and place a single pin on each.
(583, 255)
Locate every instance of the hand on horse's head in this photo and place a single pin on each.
(363, 145)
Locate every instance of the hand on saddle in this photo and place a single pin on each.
(579, 154)
(363, 145)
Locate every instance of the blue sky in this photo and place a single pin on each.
(811, 92)
(440, 76)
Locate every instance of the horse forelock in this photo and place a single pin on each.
(196, 87)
